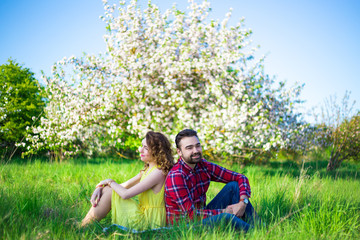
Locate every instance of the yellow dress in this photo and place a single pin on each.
(149, 213)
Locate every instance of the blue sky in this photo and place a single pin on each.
(312, 42)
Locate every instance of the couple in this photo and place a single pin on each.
(170, 193)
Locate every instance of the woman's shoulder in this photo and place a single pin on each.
(156, 170)
(156, 175)
(160, 171)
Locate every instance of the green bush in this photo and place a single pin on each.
(20, 101)
(345, 142)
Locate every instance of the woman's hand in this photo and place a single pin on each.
(95, 197)
(104, 183)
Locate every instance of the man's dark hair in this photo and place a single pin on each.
(184, 133)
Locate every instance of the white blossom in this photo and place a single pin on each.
(166, 72)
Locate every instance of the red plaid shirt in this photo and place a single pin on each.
(185, 189)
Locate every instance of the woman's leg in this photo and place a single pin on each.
(102, 208)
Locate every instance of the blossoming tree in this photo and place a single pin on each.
(166, 72)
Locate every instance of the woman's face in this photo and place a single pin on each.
(145, 155)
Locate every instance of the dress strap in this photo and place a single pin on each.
(148, 172)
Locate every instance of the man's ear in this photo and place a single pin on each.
(178, 151)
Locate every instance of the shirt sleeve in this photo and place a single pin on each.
(221, 174)
(181, 197)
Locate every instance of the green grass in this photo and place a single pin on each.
(40, 200)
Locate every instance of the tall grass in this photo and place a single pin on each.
(40, 200)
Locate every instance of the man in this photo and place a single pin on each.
(188, 181)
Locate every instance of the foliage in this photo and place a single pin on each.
(339, 130)
(345, 142)
(41, 200)
(167, 72)
(20, 101)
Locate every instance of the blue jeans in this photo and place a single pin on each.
(227, 196)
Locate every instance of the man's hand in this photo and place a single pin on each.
(238, 209)
(228, 209)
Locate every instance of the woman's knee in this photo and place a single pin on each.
(107, 190)
(105, 198)
(104, 205)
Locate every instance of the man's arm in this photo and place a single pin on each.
(220, 174)
(237, 209)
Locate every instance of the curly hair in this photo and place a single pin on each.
(160, 150)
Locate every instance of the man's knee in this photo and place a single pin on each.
(234, 186)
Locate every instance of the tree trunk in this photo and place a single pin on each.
(334, 162)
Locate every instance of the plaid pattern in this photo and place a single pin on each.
(185, 189)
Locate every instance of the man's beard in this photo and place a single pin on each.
(194, 158)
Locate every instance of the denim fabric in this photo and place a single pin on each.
(227, 196)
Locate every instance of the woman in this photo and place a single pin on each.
(148, 184)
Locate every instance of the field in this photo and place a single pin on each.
(42, 200)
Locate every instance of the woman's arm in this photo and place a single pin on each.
(95, 197)
(132, 181)
(154, 178)
(129, 183)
